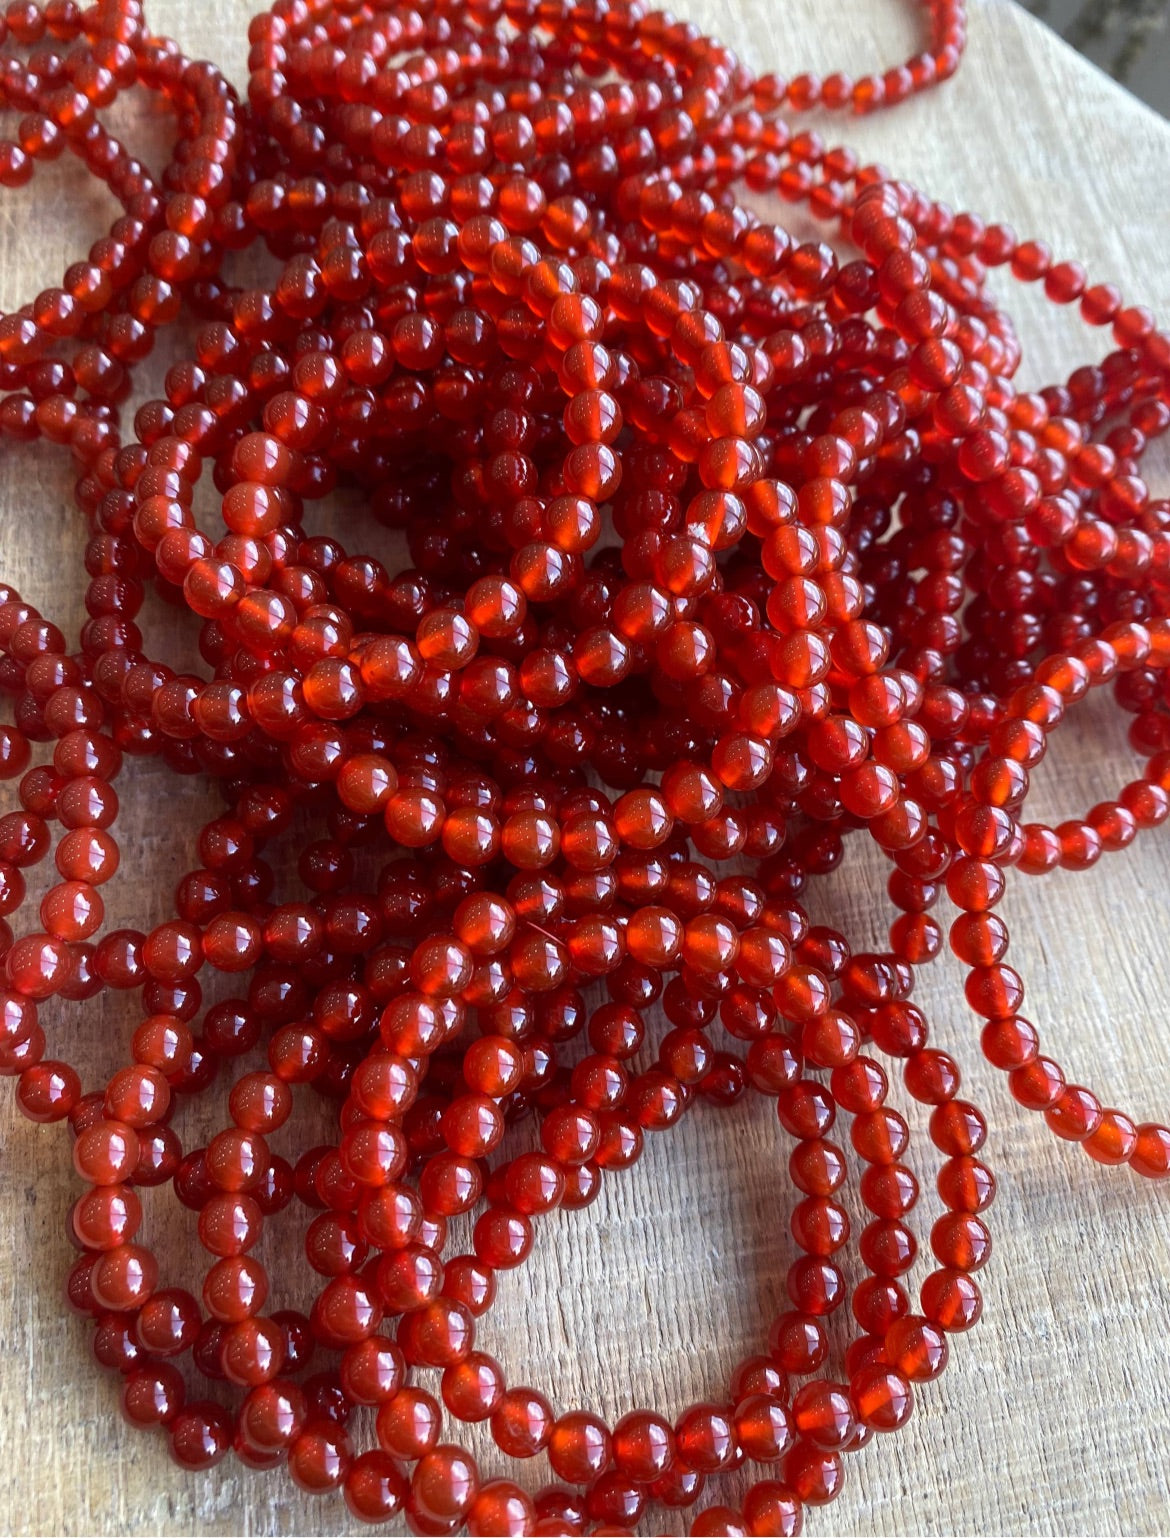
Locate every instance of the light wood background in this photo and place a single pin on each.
(1053, 1415)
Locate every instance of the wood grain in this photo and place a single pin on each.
(1052, 1416)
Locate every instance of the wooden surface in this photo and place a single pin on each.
(1052, 1417)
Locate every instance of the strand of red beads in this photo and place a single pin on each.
(717, 547)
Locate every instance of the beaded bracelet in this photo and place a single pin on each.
(717, 548)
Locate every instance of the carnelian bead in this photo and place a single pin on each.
(372, 1370)
(521, 1422)
(408, 1425)
(1151, 1154)
(414, 817)
(763, 1427)
(229, 1225)
(502, 1239)
(951, 1300)
(961, 1240)
(883, 1398)
(500, 1510)
(235, 1288)
(346, 1311)
(822, 1413)
(106, 1217)
(643, 1445)
(375, 1487)
(168, 1323)
(72, 911)
(813, 1475)
(579, 1447)
(1076, 1115)
(819, 1226)
(570, 1135)
(200, 1435)
(106, 1153)
(152, 1396)
(916, 1348)
(771, 1508)
(253, 1351)
(137, 1096)
(236, 1160)
(472, 1125)
(472, 1388)
(439, 1334)
(1114, 1139)
(966, 1185)
(1037, 1083)
(124, 1277)
(798, 1343)
(260, 1102)
(493, 1066)
(443, 1485)
(37, 965)
(48, 1091)
(320, 1457)
(719, 1522)
(366, 783)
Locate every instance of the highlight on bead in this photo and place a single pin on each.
(717, 548)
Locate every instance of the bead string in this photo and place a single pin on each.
(719, 547)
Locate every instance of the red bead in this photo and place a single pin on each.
(375, 1487)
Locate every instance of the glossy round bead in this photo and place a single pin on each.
(579, 1447)
(375, 1487)
(443, 1486)
(320, 1457)
(408, 1424)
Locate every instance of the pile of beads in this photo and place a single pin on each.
(719, 547)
